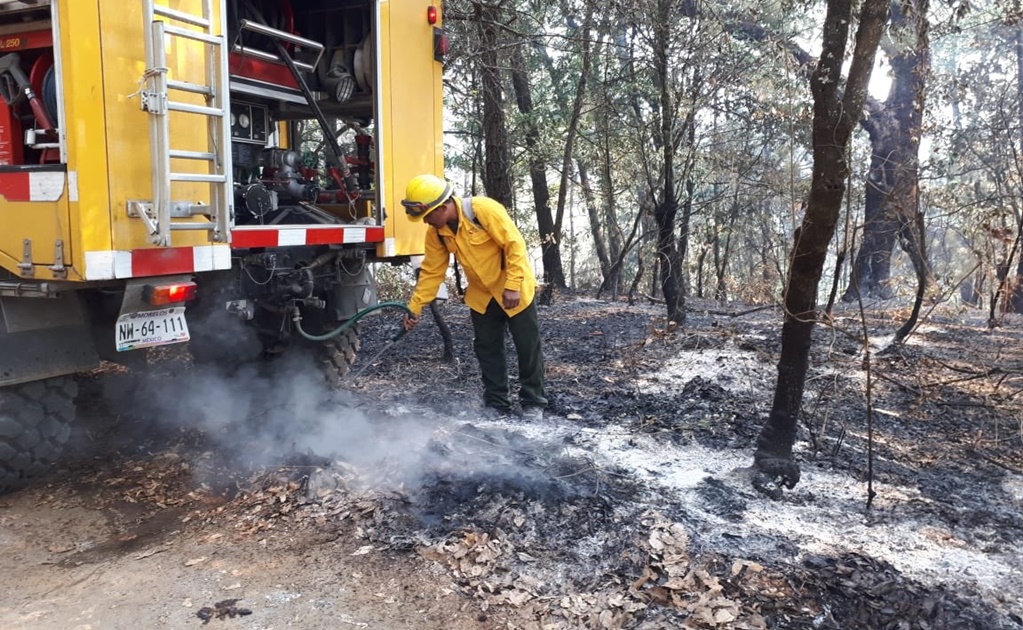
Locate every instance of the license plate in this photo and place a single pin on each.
(146, 329)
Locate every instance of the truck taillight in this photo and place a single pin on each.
(163, 294)
(431, 15)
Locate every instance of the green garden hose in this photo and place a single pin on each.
(350, 322)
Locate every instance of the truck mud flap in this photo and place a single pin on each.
(42, 338)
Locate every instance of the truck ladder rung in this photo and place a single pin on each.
(194, 227)
(198, 177)
(181, 16)
(176, 106)
(212, 40)
(185, 86)
(193, 155)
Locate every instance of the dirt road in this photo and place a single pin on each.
(80, 556)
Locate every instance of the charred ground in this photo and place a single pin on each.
(629, 507)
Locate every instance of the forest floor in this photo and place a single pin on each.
(257, 499)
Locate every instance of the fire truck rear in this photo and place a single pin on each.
(222, 172)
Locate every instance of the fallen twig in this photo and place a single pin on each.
(1000, 464)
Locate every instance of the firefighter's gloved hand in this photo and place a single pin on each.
(409, 322)
(510, 299)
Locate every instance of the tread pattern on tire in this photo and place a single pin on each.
(35, 423)
(337, 356)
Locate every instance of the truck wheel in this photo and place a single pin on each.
(35, 422)
(337, 356)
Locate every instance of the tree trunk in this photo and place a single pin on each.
(722, 257)
(610, 282)
(596, 227)
(497, 154)
(666, 211)
(687, 215)
(612, 279)
(892, 200)
(553, 272)
(833, 119)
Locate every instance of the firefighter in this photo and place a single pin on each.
(502, 285)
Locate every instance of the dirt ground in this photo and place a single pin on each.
(252, 497)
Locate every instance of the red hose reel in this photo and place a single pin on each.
(35, 50)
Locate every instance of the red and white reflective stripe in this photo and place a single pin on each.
(162, 261)
(32, 185)
(262, 236)
(165, 261)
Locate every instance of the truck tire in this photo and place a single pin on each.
(337, 356)
(35, 422)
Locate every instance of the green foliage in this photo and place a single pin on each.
(722, 90)
(394, 282)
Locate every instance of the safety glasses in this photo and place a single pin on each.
(414, 209)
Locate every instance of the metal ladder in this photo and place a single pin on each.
(159, 214)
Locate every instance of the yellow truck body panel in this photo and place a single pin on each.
(412, 106)
(80, 209)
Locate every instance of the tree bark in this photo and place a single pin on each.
(892, 199)
(834, 115)
(553, 271)
(596, 227)
(496, 152)
(666, 210)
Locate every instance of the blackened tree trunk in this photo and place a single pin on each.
(597, 230)
(871, 271)
(723, 250)
(906, 196)
(666, 210)
(835, 113)
(496, 152)
(616, 247)
(892, 200)
(554, 274)
(619, 263)
(687, 213)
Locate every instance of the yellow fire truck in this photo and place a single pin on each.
(175, 170)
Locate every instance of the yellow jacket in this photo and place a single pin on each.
(491, 251)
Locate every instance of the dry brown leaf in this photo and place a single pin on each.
(649, 575)
(746, 565)
(658, 595)
(363, 550)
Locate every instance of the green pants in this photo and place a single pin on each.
(490, 328)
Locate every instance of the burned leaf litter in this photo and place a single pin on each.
(224, 609)
(630, 505)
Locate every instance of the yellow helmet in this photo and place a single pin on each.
(424, 194)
